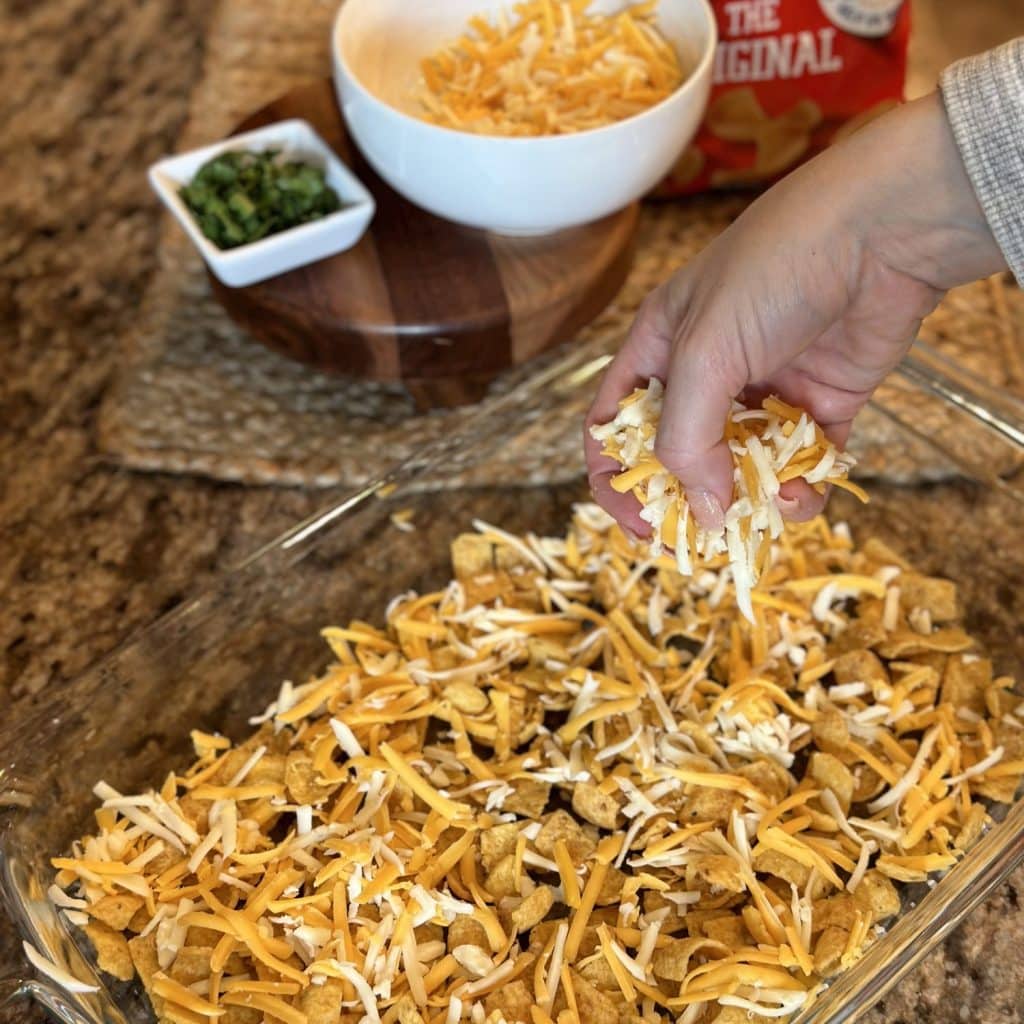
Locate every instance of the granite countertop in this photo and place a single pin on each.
(89, 95)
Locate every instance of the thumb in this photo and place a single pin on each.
(702, 382)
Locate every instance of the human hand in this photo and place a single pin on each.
(814, 294)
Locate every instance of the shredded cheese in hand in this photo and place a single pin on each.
(554, 69)
(769, 446)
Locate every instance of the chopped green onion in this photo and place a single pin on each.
(240, 197)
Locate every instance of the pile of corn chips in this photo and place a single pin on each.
(769, 446)
(553, 70)
(572, 786)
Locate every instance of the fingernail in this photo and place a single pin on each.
(707, 510)
(801, 509)
(787, 506)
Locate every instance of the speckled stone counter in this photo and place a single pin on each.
(89, 95)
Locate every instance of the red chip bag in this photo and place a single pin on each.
(791, 77)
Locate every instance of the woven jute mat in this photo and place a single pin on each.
(198, 396)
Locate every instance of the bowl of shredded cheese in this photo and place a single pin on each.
(523, 119)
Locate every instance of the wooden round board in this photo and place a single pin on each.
(438, 307)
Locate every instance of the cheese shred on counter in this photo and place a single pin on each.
(570, 786)
(769, 446)
(552, 69)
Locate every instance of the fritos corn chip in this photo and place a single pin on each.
(790, 78)
(569, 786)
(769, 446)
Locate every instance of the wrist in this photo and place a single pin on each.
(912, 202)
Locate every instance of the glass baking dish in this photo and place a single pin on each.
(223, 654)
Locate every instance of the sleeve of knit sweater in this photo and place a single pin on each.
(984, 98)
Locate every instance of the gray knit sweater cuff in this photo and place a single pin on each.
(984, 99)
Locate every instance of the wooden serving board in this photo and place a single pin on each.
(419, 300)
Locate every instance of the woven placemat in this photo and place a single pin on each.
(198, 396)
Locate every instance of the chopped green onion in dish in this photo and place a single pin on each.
(241, 197)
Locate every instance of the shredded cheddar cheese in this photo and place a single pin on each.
(526, 799)
(769, 446)
(552, 69)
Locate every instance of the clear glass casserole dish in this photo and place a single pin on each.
(222, 655)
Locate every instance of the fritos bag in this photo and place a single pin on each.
(790, 78)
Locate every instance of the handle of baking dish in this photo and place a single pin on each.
(14, 989)
(992, 407)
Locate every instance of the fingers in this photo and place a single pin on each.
(832, 408)
(799, 502)
(644, 355)
(704, 366)
(623, 508)
(838, 433)
(703, 378)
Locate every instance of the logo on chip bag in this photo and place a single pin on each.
(870, 18)
(792, 77)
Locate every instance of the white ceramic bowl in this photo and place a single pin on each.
(286, 250)
(507, 185)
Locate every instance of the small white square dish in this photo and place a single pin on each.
(285, 250)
